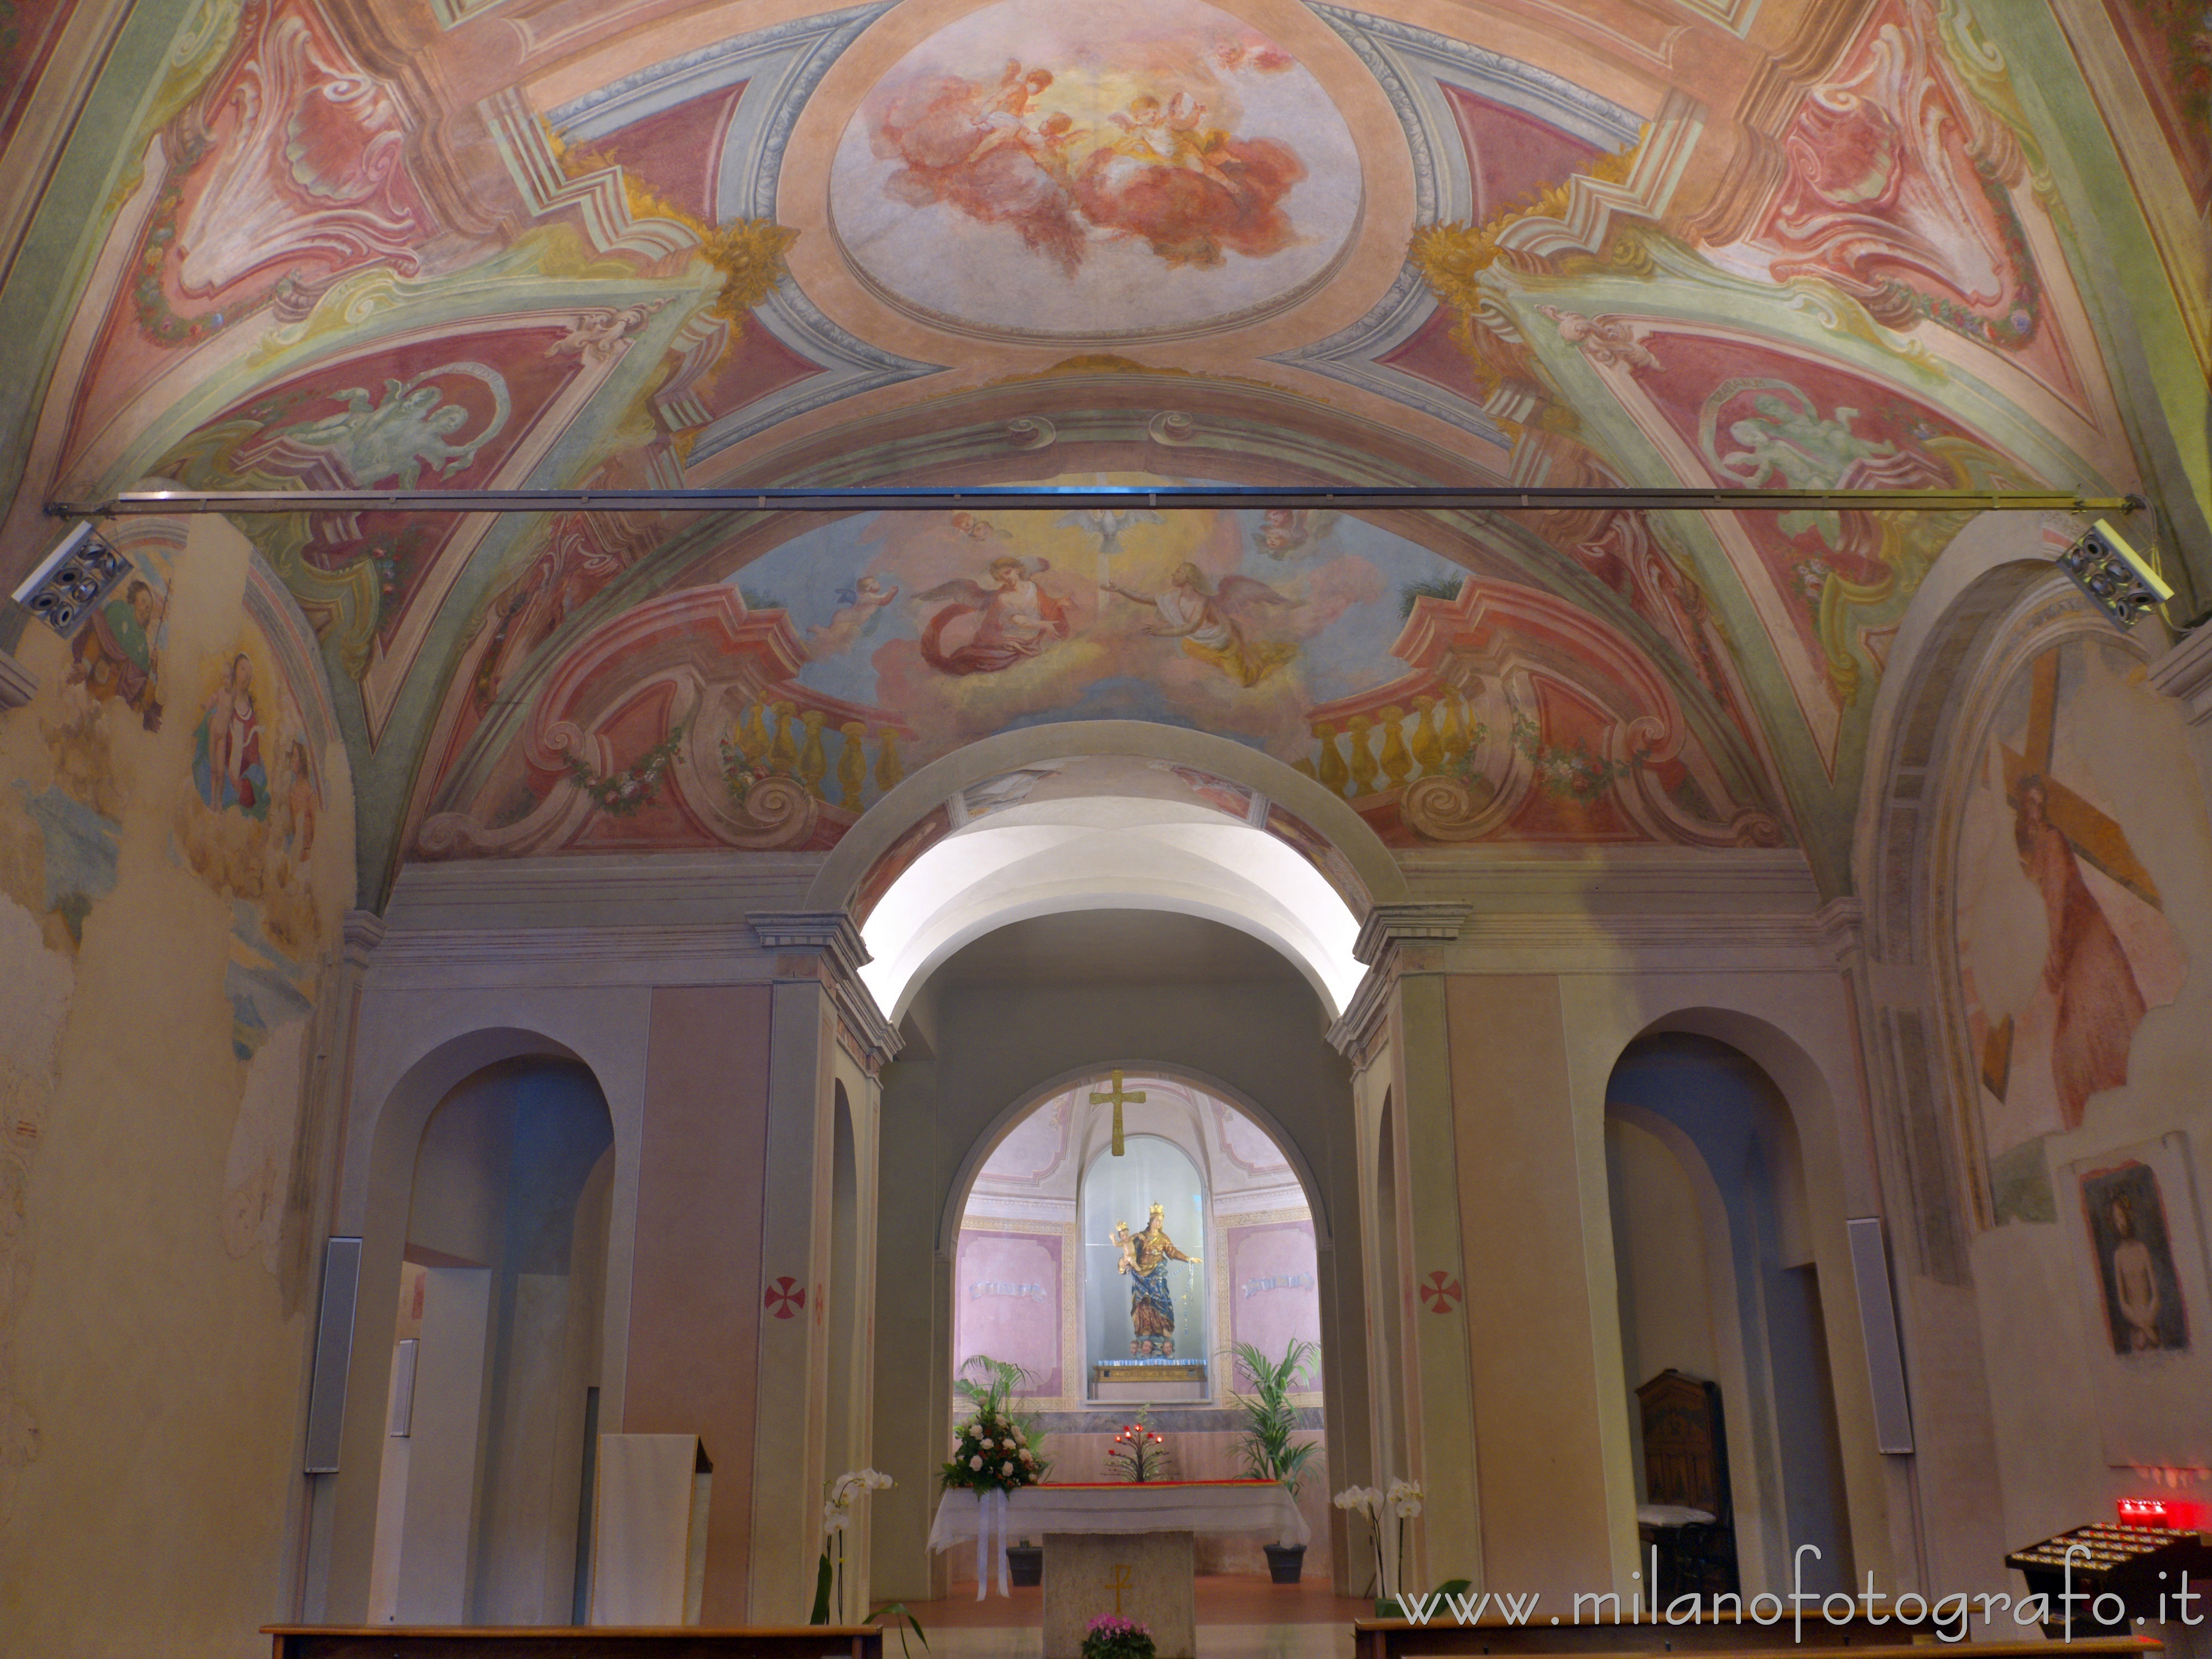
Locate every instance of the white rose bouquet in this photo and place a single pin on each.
(996, 1450)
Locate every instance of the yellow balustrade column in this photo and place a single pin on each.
(1397, 764)
(1428, 747)
(752, 734)
(889, 769)
(1451, 729)
(783, 748)
(852, 766)
(1363, 758)
(814, 758)
(1331, 773)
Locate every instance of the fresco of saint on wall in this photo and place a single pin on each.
(2063, 941)
(1050, 168)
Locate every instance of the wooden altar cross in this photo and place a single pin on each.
(1117, 1098)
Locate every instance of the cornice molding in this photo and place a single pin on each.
(17, 683)
(1388, 925)
(361, 932)
(833, 933)
(2184, 673)
(1354, 1032)
(1618, 881)
(833, 938)
(614, 892)
(1841, 924)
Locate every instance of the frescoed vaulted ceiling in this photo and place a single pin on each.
(414, 244)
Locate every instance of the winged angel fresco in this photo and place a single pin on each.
(1016, 619)
(1219, 624)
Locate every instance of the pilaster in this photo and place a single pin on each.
(1400, 1009)
(817, 1002)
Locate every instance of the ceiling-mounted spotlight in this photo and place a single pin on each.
(2112, 574)
(72, 579)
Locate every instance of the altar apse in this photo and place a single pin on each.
(1051, 1246)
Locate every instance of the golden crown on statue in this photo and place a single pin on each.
(1158, 1210)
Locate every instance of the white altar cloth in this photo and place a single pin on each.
(1210, 1506)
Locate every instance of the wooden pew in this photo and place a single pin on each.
(1740, 1638)
(563, 1642)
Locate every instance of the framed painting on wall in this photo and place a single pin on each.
(2137, 1253)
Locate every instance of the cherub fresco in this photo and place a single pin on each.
(1016, 619)
(1218, 623)
(860, 608)
(391, 439)
(1026, 150)
(1791, 447)
(1286, 533)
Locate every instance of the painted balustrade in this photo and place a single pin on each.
(1365, 747)
(832, 749)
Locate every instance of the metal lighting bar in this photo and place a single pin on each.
(1062, 498)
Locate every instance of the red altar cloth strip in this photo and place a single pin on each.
(1080, 1486)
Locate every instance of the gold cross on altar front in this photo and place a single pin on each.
(1120, 1581)
(1116, 1097)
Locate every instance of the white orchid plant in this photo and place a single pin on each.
(1401, 1501)
(845, 1490)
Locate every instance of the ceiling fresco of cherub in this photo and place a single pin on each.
(423, 244)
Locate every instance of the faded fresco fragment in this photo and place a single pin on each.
(148, 758)
(2063, 941)
(246, 822)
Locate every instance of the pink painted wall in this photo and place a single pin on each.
(1006, 1302)
(1275, 1294)
(695, 1304)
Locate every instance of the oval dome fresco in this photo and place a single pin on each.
(1045, 169)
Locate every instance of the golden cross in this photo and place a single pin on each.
(1120, 1581)
(1116, 1098)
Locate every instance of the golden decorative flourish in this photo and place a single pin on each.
(749, 252)
(749, 256)
(1451, 256)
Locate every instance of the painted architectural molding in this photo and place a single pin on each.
(17, 683)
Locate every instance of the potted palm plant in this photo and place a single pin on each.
(1270, 1421)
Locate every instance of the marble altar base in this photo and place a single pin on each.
(1155, 1572)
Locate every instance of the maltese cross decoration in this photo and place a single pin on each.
(1439, 1292)
(785, 1297)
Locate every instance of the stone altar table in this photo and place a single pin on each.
(1124, 1547)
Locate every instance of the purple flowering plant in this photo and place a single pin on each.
(1109, 1637)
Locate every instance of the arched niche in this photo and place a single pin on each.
(1024, 1108)
(1035, 1277)
(494, 1355)
(1798, 1034)
(1715, 1279)
(414, 1049)
(1215, 1010)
